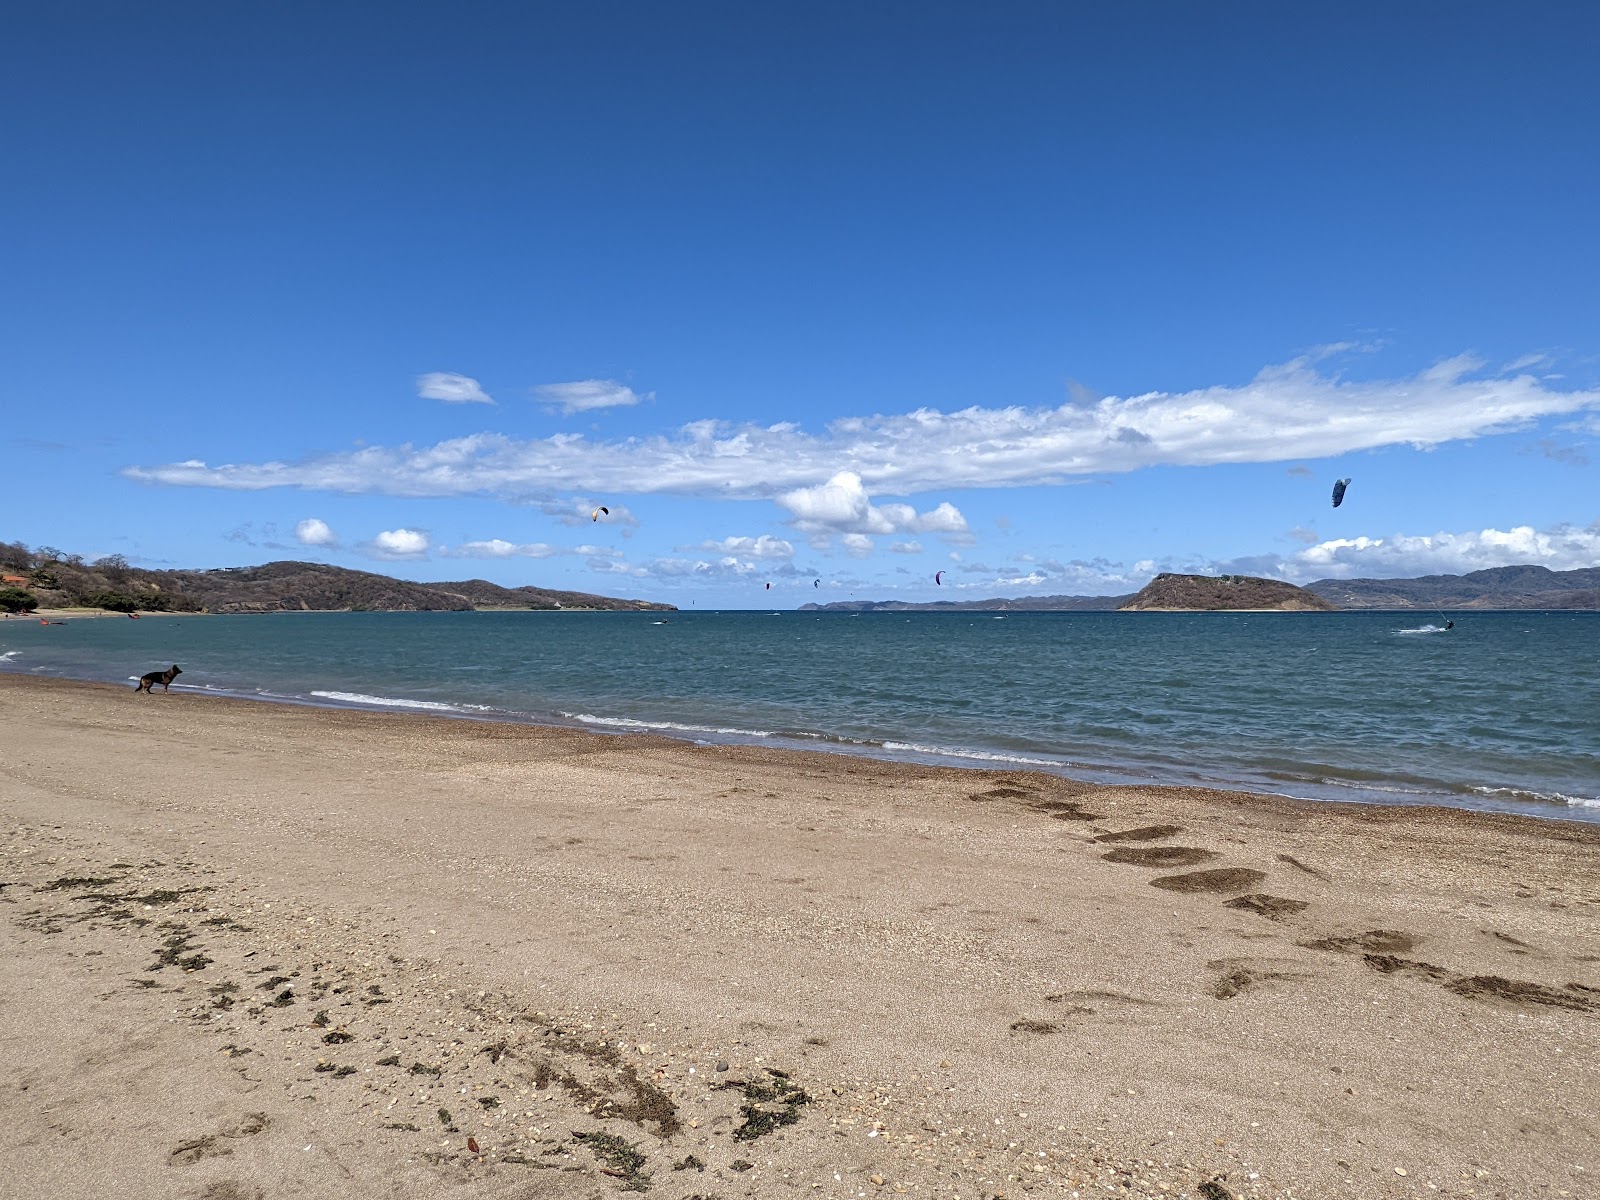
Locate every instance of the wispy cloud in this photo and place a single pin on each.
(1571, 453)
(499, 548)
(579, 510)
(586, 395)
(1287, 412)
(765, 546)
(451, 388)
(315, 532)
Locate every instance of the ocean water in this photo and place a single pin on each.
(1500, 713)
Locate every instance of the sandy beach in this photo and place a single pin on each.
(258, 951)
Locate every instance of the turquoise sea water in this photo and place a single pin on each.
(1502, 712)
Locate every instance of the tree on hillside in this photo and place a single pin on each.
(16, 600)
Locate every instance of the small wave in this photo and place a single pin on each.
(384, 701)
(1538, 797)
(675, 726)
(9, 655)
(1421, 629)
(977, 755)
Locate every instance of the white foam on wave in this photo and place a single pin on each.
(978, 755)
(9, 655)
(1421, 629)
(1545, 797)
(384, 701)
(675, 726)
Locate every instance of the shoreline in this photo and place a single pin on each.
(1531, 803)
(322, 927)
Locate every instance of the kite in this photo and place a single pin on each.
(595, 515)
(1339, 486)
(938, 578)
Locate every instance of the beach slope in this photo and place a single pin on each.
(259, 951)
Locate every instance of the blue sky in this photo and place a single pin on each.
(1049, 297)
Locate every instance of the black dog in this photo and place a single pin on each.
(164, 678)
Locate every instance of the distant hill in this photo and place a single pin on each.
(66, 581)
(483, 594)
(1521, 588)
(1001, 604)
(1496, 588)
(1210, 593)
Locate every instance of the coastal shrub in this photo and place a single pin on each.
(114, 602)
(13, 599)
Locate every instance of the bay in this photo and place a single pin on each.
(1500, 713)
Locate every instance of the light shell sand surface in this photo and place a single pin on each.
(259, 951)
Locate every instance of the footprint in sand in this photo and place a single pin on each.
(1001, 793)
(1219, 879)
(1376, 941)
(1240, 975)
(1090, 1001)
(1380, 950)
(1514, 993)
(1064, 810)
(1159, 856)
(1145, 833)
(1273, 908)
(229, 1189)
(1035, 1027)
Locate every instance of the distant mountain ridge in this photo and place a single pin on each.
(288, 586)
(1511, 588)
(1523, 587)
(55, 580)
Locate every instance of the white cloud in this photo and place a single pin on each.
(765, 546)
(496, 548)
(585, 395)
(399, 543)
(1562, 548)
(842, 505)
(451, 388)
(1288, 412)
(858, 545)
(729, 566)
(312, 532)
(911, 547)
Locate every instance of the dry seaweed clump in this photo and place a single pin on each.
(769, 1104)
(622, 1159)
